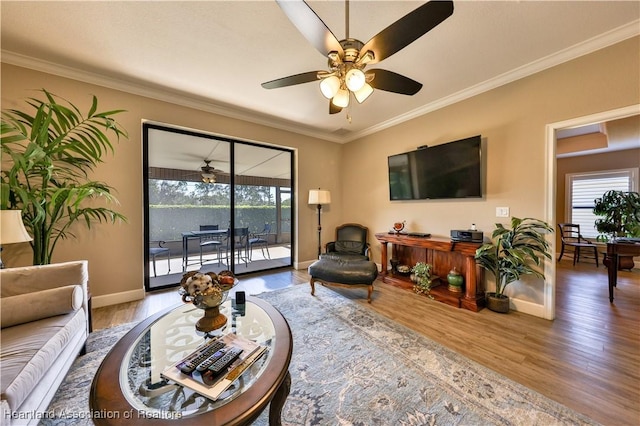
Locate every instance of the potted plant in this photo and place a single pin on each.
(619, 213)
(49, 153)
(512, 254)
(424, 281)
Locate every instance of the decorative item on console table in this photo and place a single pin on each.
(455, 280)
(511, 255)
(424, 281)
(443, 255)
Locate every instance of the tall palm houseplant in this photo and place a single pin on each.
(48, 151)
(513, 253)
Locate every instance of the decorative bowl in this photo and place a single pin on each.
(207, 292)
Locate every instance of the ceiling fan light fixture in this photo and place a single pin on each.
(355, 79)
(341, 99)
(208, 177)
(362, 94)
(330, 86)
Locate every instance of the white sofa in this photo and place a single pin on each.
(45, 325)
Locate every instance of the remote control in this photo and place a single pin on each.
(209, 361)
(220, 365)
(190, 363)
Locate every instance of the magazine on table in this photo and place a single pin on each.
(208, 383)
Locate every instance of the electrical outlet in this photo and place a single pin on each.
(502, 211)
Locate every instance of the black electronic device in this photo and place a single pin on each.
(449, 170)
(240, 298)
(467, 236)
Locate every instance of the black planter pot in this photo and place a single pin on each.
(498, 303)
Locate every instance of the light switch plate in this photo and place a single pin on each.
(502, 211)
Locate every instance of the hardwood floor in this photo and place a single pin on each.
(587, 359)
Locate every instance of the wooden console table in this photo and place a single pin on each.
(443, 255)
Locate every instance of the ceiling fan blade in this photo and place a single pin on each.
(311, 26)
(390, 81)
(334, 109)
(305, 77)
(407, 29)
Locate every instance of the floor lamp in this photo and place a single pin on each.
(12, 229)
(319, 197)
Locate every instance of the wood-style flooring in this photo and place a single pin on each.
(588, 358)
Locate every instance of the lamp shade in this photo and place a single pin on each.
(12, 228)
(319, 196)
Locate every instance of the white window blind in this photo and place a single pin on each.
(583, 189)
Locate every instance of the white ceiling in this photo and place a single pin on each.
(215, 54)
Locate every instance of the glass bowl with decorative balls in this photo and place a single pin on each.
(207, 291)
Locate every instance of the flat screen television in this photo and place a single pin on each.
(449, 170)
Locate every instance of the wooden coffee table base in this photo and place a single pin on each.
(278, 401)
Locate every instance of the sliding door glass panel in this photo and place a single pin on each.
(260, 175)
(188, 208)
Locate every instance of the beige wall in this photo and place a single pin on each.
(511, 119)
(115, 252)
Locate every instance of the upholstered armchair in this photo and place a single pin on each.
(350, 243)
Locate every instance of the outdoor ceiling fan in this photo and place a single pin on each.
(349, 57)
(208, 175)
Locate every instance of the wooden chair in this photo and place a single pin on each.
(571, 237)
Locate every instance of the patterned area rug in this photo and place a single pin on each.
(352, 366)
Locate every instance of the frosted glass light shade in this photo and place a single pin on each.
(319, 196)
(341, 99)
(354, 79)
(330, 86)
(362, 94)
(12, 228)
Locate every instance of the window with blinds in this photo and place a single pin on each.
(584, 188)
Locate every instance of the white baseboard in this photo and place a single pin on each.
(114, 299)
(527, 307)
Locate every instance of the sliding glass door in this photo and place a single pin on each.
(213, 204)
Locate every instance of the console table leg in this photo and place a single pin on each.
(277, 403)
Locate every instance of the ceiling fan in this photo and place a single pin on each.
(349, 57)
(208, 172)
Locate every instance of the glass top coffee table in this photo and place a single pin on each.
(128, 387)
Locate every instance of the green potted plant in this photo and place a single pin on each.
(424, 281)
(619, 213)
(47, 155)
(512, 254)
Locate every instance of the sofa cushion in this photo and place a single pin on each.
(38, 305)
(29, 350)
(355, 247)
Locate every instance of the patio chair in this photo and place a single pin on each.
(210, 241)
(157, 251)
(260, 239)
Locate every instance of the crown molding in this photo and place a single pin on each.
(160, 94)
(187, 100)
(607, 39)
